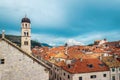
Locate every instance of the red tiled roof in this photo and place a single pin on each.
(86, 66)
(61, 55)
(60, 64)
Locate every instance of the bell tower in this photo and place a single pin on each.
(26, 35)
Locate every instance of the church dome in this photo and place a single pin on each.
(25, 19)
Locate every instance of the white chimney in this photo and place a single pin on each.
(81, 59)
(100, 57)
(3, 33)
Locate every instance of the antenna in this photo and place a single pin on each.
(25, 15)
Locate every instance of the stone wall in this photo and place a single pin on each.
(19, 66)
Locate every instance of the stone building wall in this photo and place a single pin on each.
(18, 66)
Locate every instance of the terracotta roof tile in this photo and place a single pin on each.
(61, 55)
(86, 66)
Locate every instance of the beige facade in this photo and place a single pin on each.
(15, 64)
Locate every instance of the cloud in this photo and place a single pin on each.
(72, 42)
(91, 37)
(81, 39)
(56, 21)
(52, 40)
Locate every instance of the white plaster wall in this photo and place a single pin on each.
(86, 76)
(65, 77)
(18, 66)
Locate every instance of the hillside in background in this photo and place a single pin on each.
(17, 40)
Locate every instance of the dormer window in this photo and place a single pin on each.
(2, 61)
(90, 65)
(101, 64)
(69, 66)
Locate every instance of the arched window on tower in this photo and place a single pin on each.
(26, 25)
(27, 34)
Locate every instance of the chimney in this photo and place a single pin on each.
(114, 56)
(81, 59)
(3, 33)
(100, 58)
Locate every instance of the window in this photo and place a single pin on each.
(55, 76)
(104, 75)
(68, 76)
(102, 65)
(80, 78)
(64, 74)
(60, 78)
(24, 33)
(27, 33)
(26, 43)
(90, 65)
(113, 77)
(26, 25)
(69, 66)
(2, 61)
(113, 69)
(93, 76)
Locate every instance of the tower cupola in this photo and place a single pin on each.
(25, 19)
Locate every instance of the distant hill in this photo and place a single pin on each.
(17, 40)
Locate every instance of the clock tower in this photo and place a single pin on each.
(26, 35)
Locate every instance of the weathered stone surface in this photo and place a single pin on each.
(19, 66)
